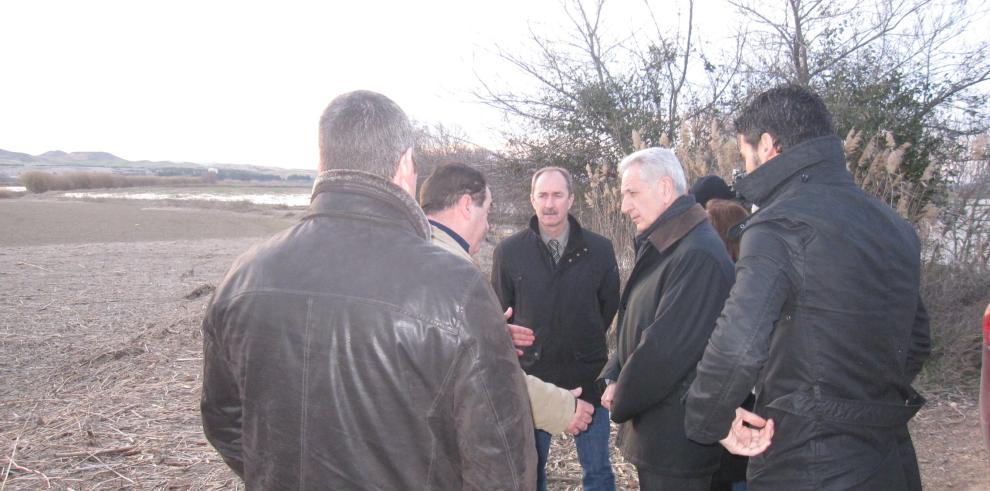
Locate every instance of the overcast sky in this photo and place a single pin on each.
(244, 82)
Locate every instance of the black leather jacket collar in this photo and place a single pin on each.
(766, 182)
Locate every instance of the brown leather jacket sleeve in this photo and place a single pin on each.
(492, 412)
(221, 403)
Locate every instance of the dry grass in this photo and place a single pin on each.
(877, 164)
(954, 226)
(956, 298)
(600, 210)
(101, 356)
(40, 182)
(8, 194)
(706, 147)
(564, 470)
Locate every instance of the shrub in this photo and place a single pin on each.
(7, 194)
(40, 182)
(956, 297)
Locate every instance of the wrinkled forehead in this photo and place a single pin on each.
(550, 182)
(630, 180)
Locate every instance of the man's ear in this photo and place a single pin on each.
(665, 186)
(464, 204)
(405, 173)
(766, 149)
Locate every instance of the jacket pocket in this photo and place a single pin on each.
(591, 353)
(518, 297)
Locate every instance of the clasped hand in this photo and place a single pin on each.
(749, 435)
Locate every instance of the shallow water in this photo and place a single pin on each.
(288, 199)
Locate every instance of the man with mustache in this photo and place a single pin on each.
(563, 282)
(456, 199)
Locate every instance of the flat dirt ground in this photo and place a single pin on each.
(100, 362)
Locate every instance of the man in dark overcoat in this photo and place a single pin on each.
(667, 311)
(562, 281)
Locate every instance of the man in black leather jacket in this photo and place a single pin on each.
(824, 320)
(349, 353)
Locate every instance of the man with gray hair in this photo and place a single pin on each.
(667, 312)
(336, 356)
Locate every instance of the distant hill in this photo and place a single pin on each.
(58, 156)
(14, 156)
(13, 164)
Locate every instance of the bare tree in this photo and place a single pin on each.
(809, 40)
(595, 91)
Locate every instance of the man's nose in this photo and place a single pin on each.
(625, 205)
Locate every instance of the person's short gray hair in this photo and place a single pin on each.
(364, 130)
(655, 163)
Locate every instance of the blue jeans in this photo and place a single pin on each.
(593, 453)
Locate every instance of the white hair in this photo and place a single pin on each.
(655, 163)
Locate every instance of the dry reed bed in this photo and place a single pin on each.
(102, 356)
(40, 182)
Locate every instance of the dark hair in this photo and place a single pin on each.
(791, 114)
(563, 172)
(447, 184)
(364, 130)
(711, 187)
(725, 214)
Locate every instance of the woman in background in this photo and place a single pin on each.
(725, 214)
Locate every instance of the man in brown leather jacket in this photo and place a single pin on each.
(349, 353)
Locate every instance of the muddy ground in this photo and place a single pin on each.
(100, 360)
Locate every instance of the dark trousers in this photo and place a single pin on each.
(649, 481)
